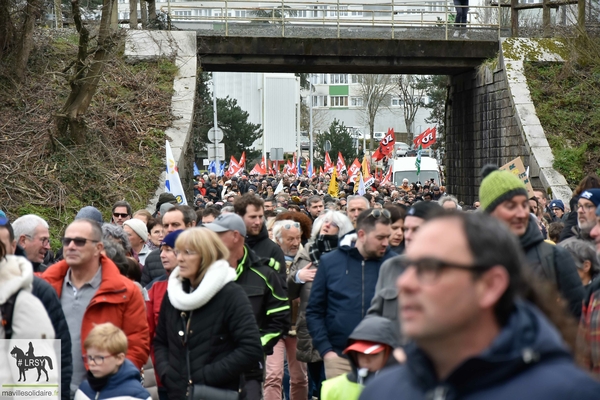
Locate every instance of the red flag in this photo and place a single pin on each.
(257, 170)
(341, 165)
(234, 167)
(271, 170)
(387, 178)
(263, 165)
(242, 162)
(386, 146)
(293, 168)
(354, 170)
(328, 164)
(419, 138)
(321, 171)
(430, 138)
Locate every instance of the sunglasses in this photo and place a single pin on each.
(378, 213)
(290, 226)
(119, 215)
(79, 242)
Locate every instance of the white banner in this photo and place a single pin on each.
(173, 183)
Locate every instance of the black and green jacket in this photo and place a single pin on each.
(268, 298)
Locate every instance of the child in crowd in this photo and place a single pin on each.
(110, 375)
(370, 350)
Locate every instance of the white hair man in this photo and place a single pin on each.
(33, 236)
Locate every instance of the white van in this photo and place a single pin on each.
(404, 167)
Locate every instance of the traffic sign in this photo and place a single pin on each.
(327, 145)
(276, 154)
(215, 135)
(216, 151)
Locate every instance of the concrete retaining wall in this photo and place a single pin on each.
(491, 119)
(149, 45)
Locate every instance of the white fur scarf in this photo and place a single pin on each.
(16, 273)
(217, 276)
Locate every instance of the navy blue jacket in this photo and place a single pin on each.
(340, 296)
(125, 384)
(527, 360)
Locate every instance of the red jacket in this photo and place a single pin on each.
(118, 300)
(156, 292)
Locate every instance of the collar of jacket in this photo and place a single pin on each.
(262, 235)
(111, 287)
(532, 235)
(217, 276)
(525, 340)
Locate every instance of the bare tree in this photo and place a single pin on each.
(412, 91)
(375, 91)
(87, 73)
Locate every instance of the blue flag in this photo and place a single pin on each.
(196, 170)
(212, 167)
(222, 169)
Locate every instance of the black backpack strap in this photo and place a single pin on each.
(546, 253)
(7, 309)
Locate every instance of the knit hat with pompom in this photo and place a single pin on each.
(498, 186)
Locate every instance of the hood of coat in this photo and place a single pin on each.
(303, 252)
(532, 235)
(527, 338)
(16, 273)
(218, 275)
(127, 372)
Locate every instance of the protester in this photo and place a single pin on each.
(206, 337)
(33, 236)
(473, 334)
(344, 286)
(138, 236)
(398, 214)
(121, 212)
(585, 257)
(590, 181)
(110, 375)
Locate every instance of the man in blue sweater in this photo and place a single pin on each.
(344, 286)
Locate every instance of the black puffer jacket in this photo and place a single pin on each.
(567, 279)
(265, 248)
(222, 339)
(153, 268)
(47, 295)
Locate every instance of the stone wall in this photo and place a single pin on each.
(490, 119)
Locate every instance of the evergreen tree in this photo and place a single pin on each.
(341, 140)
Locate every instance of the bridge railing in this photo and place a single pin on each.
(285, 18)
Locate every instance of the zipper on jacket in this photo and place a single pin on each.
(363, 289)
(439, 393)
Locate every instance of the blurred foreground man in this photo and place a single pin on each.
(473, 337)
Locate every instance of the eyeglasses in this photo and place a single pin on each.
(429, 269)
(293, 225)
(378, 213)
(330, 222)
(45, 241)
(586, 207)
(79, 242)
(185, 252)
(98, 360)
(120, 215)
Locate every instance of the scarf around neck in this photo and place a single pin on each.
(218, 275)
(323, 244)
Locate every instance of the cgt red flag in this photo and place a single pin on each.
(234, 167)
(354, 170)
(387, 178)
(341, 165)
(328, 164)
(386, 146)
(242, 162)
(427, 138)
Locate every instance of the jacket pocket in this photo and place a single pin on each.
(390, 303)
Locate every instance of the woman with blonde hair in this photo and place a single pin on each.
(206, 336)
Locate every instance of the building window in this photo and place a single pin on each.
(356, 101)
(396, 102)
(357, 78)
(337, 79)
(339, 101)
(240, 13)
(343, 11)
(321, 79)
(319, 101)
(183, 13)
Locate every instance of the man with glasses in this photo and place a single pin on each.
(33, 238)
(473, 336)
(121, 212)
(586, 214)
(504, 196)
(344, 286)
(93, 291)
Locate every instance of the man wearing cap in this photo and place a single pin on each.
(504, 196)
(263, 287)
(155, 292)
(385, 301)
(344, 287)
(558, 208)
(587, 203)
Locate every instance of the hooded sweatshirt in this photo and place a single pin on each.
(527, 360)
(265, 248)
(348, 386)
(567, 279)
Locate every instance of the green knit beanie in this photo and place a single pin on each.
(498, 186)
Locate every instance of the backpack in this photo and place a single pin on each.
(7, 309)
(547, 263)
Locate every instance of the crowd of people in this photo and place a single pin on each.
(297, 288)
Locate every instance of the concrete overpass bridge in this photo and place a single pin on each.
(482, 121)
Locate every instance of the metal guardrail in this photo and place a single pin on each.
(334, 14)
